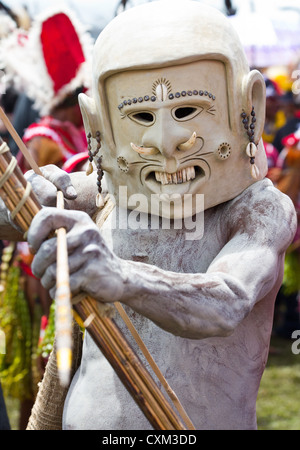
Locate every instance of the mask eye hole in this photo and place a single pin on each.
(186, 112)
(145, 118)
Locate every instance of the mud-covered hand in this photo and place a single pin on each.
(93, 268)
(45, 187)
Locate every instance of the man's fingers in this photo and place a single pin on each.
(60, 179)
(44, 190)
(44, 257)
(46, 222)
(48, 279)
(46, 186)
(42, 229)
(47, 271)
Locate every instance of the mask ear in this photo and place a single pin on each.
(254, 94)
(89, 114)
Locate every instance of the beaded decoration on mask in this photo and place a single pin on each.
(90, 169)
(251, 149)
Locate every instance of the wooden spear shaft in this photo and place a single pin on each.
(63, 308)
(31, 161)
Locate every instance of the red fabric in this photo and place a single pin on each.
(44, 322)
(72, 163)
(26, 269)
(62, 50)
(72, 140)
(291, 140)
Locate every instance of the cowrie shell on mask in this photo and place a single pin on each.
(99, 200)
(254, 171)
(251, 150)
(89, 169)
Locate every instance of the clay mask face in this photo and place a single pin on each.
(173, 140)
(169, 108)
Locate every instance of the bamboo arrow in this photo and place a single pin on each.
(63, 310)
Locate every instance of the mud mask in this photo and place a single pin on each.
(173, 131)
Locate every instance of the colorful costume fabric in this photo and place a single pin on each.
(289, 182)
(59, 140)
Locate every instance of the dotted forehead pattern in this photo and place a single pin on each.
(171, 96)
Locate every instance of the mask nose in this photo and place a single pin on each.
(166, 135)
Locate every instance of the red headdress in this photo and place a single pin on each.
(51, 61)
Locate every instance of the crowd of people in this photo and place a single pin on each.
(41, 100)
(281, 139)
(43, 108)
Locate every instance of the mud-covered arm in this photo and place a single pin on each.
(261, 225)
(204, 304)
(193, 305)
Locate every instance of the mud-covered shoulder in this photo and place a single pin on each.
(263, 213)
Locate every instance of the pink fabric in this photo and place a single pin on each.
(272, 154)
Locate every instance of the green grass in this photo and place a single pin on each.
(278, 402)
(13, 411)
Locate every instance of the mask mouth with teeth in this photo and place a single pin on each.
(182, 181)
(181, 176)
(169, 115)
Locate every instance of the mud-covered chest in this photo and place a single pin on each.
(169, 249)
